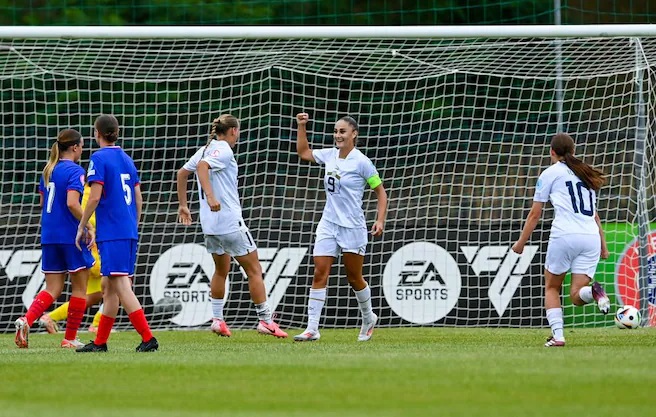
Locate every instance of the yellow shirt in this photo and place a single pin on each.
(85, 198)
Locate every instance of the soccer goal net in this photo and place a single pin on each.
(458, 126)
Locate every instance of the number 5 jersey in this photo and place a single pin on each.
(116, 215)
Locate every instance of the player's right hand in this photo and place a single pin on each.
(518, 248)
(184, 216)
(302, 119)
(213, 203)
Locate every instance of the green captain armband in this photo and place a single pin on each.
(374, 181)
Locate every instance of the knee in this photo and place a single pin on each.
(354, 278)
(320, 279)
(253, 273)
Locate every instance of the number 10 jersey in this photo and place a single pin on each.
(573, 201)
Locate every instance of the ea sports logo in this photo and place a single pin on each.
(628, 272)
(184, 272)
(421, 282)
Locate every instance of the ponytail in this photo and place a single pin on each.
(52, 161)
(66, 139)
(592, 177)
(220, 126)
(563, 145)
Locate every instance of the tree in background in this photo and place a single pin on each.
(320, 12)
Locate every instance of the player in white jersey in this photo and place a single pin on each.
(576, 240)
(226, 233)
(342, 227)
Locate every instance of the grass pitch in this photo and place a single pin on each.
(401, 372)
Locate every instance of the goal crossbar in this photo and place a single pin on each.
(317, 32)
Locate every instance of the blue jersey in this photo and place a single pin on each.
(116, 215)
(58, 225)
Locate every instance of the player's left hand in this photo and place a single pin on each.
(377, 228)
(88, 235)
(213, 203)
(604, 253)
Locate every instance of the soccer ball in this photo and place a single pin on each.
(628, 317)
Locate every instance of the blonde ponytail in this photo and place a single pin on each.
(52, 161)
(65, 139)
(220, 126)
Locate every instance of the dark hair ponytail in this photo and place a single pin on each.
(107, 126)
(563, 146)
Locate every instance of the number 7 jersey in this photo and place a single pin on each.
(573, 201)
(116, 215)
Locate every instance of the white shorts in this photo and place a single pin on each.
(333, 239)
(576, 253)
(239, 243)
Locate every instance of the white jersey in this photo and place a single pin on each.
(574, 203)
(223, 177)
(345, 181)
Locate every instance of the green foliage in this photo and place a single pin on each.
(317, 12)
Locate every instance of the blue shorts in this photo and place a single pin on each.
(60, 258)
(117, 257)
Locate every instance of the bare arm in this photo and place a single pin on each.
(184, 215)
(203, 172)
(381, 210)
(73, 203)
(40, 200)
(531, 222)
(302, 146)
(95, 192)
(604, 248)
(138, 200)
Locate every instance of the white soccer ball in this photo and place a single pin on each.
(628, 317)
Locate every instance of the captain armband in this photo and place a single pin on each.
(374, 181)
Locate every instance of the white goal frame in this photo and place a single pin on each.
(554, 34)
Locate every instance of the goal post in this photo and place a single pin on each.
(456, 119)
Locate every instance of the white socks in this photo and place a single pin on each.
(555, 319)
(585, 294)
(263, 312)
(364, 301)
(217, 308)
(315, 305)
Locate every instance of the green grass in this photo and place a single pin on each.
(401, 372)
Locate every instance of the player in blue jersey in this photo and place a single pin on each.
(61, 189)
(116, 199)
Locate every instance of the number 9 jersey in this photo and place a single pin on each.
(116, 215)
(573, 201)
